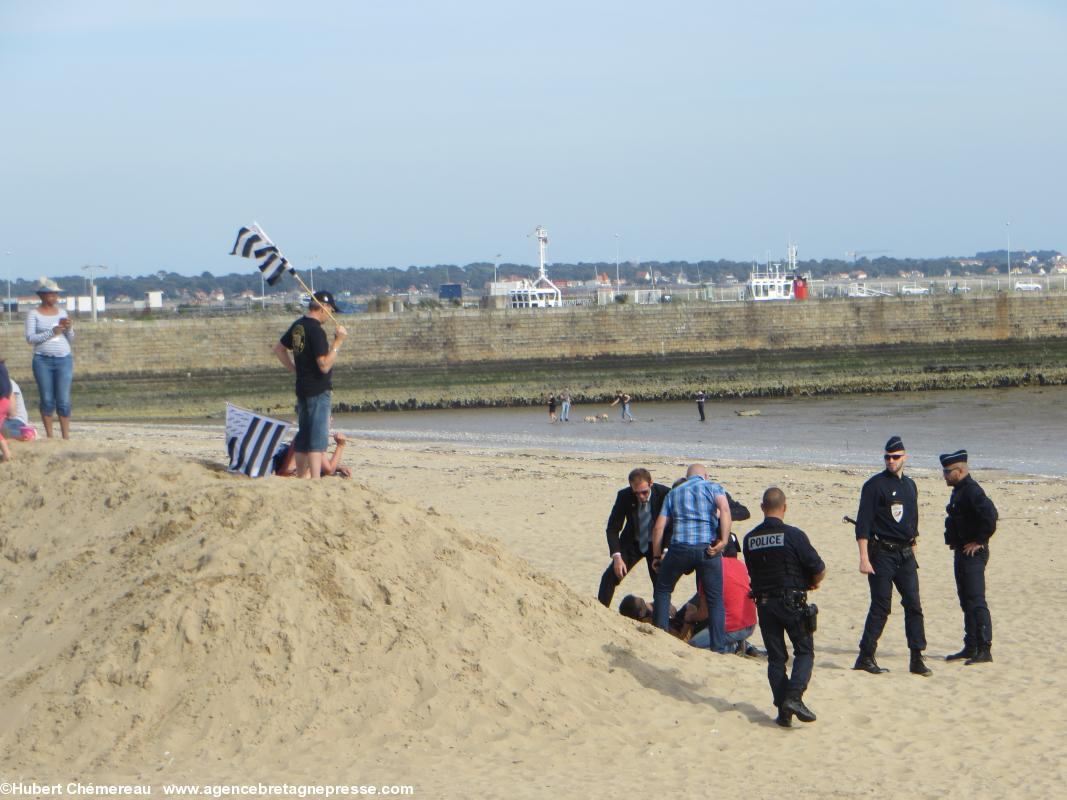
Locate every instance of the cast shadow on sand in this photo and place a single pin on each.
(668, 683)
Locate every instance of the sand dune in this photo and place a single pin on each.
(432, 623)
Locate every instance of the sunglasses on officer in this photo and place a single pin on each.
(893, 456)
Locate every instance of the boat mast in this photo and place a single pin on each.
(542, 247)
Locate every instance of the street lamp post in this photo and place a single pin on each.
(7, 308)
(618, 284)
(1007, 225)
(92, 286)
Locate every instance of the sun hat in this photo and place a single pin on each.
(47, 285)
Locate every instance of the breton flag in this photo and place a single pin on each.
(252, 242)
(251, 440)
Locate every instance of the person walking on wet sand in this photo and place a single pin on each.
(305, 351)
(701, 398)
(624, 413)
(565, 407)
(551, 408)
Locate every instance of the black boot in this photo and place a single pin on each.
(784, 718)
(866, 662)
(795, 705)
(918, 666)
(966, 652)
(982, 655)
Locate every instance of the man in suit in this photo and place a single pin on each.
(629, 530)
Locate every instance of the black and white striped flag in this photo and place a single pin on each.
(251, 440)
(252, 242)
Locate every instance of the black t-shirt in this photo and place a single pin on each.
(307, 339)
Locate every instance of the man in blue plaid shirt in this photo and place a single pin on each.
(701, 516)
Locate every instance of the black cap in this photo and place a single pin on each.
(895, 444)
(953, 458)
(325, 299)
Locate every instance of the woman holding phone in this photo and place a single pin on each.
(49, 331)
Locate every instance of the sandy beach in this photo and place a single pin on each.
(432, 622)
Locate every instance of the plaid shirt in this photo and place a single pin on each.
(692, 509)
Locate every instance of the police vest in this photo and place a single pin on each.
(772, 563)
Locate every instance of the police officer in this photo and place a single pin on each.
(783, 566)
(971, 520)
(886, 527)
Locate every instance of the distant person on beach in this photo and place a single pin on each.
(699, 514)
(629, 529)
(971, 521)
(624, 412)
(784, 567)
(701, 398)
(285, 460)
(5, 405)
(887, 525)
(305, 351)
(50, 332)
(551, 408)
(565, 407)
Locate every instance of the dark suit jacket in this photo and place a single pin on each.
(623, 519)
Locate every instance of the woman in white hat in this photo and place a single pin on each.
(49, 331)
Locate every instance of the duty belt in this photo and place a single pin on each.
(772, 594)
(893, 546)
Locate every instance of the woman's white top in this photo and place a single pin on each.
(39, 333)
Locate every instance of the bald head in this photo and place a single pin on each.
(773, 504)
(697, 469)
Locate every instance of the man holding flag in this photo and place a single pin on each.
(305, 351)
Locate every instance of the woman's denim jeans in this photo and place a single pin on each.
(54, 375)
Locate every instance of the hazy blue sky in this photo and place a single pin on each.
(142, 134)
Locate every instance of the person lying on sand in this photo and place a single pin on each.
(285, 460)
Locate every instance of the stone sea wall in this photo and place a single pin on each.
(182, 347)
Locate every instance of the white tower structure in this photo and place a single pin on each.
(541, 293)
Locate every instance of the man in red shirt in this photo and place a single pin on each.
(740, 609)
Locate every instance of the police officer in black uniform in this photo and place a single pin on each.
(783, 566)
(886, 527)
(971, 520)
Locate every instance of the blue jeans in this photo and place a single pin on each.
(54, 375)
(313, 420)
(703, 638)
(680, 559)
(565, 410)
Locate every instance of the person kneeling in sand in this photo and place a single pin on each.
(285, 460)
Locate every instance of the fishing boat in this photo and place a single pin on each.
(775, 283)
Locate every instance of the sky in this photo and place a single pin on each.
(141, 135)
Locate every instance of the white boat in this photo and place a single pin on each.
(773, 282)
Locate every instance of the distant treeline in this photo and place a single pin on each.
(373, 281)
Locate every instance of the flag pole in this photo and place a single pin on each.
(300, 280)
